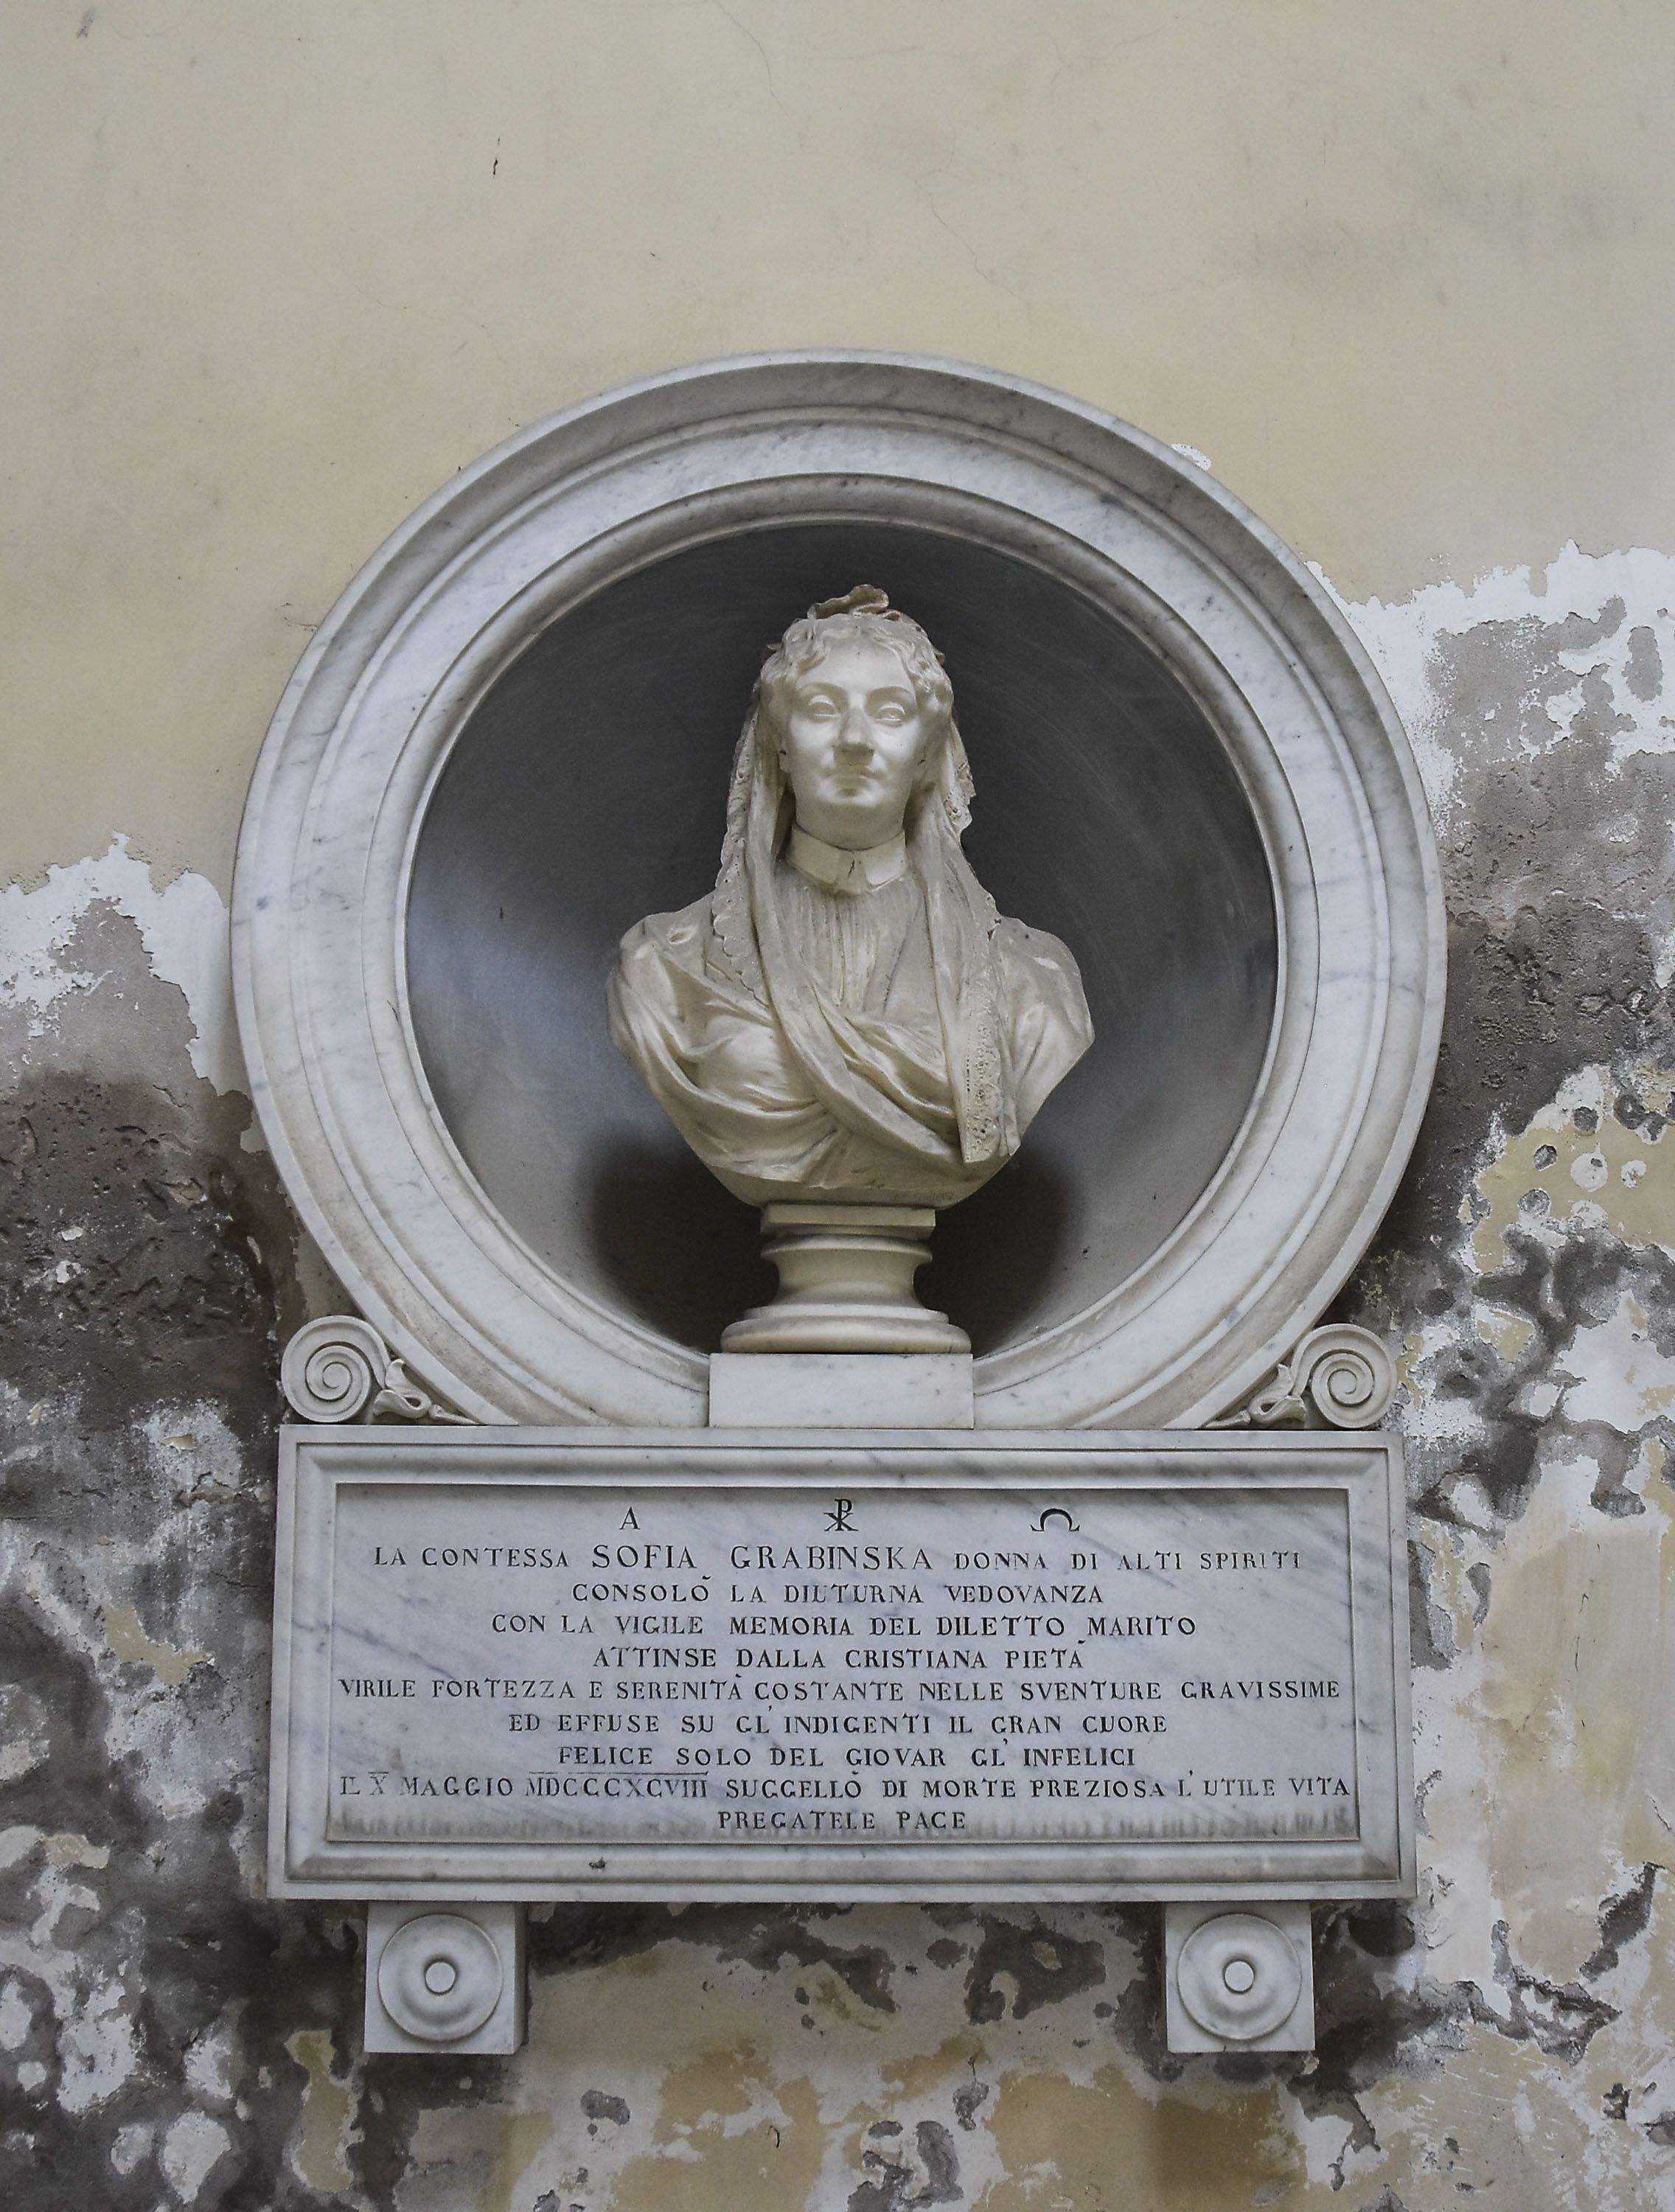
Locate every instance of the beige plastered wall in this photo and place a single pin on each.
(275, 271)
(1401, 274)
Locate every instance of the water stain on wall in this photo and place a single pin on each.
(169, 2037)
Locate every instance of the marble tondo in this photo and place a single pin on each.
(846, 1030)
(484, 1271)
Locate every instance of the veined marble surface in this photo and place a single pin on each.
(560, 1664)
(840, 1390)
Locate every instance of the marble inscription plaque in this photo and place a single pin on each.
(566, 1663)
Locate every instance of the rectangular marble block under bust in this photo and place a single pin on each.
(839, 1665)
(841, 1390)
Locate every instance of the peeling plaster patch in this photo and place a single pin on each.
(904, 2168)
(190, 2153)
(130, 2145)
(131, 1645)
(1511, 1333)
(1450, 1561)
(1440, 1420)
(16, 1844)
(1542, 710)
(25, 1742)
(969, 2100)
(321, 2154)
(1529, 2121)
(1616, 1375)
(1622, 1920)
(195, 1452)
(1547, 1304)
(732, 2101)
(1531, 1721)
(1017, 1969)
(75, 1850)
(211, 2067)
(1618, 605)
(97, 2047)
(145, 1277)
(183, 1269)
(1096, 2147)
(16, 2018)
(1593, 1156)
(185, 929)
(1527, 1268)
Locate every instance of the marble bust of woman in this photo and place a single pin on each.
(845, 1019)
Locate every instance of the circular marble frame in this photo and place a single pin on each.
(367, 722)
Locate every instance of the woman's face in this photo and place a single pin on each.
(852, 744)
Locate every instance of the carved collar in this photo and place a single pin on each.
(835, 870)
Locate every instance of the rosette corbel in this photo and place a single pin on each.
(340, 1369)
(1339, 1378)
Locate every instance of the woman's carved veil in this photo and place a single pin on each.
(900, 1126)
(960, 913)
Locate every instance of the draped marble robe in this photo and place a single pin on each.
(838, 1026)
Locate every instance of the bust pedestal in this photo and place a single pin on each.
(846, 1283)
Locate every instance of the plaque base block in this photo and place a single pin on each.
(840, 1390)
(1241, 1980)
(445, 1978)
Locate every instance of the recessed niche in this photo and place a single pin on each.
(510, 740)
(587, 788)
